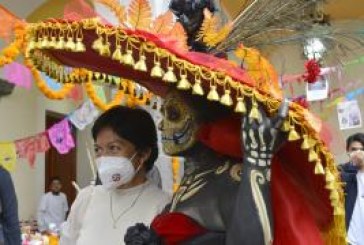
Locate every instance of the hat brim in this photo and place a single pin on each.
(305, 156)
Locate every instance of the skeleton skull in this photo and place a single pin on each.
(178, 126)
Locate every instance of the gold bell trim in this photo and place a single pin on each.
(338, 211)
(28, 52)
(319, 169)
(312, 155)
(312, 142)
(293, 135)
(329, 176)
(128, 58)
(157, 71)
(60, 44)
(31, 44)
(213, 95)
(80, 47)
(305, 143)
(70, 45)
(226, 98)
(98, 44)
(103, 76)
(53, 42)
(197, 88)
(38, 44)
(105, 50)
(240, 106)
(254, 113)
(184, 84)
(117, 80)
(286, 126)
(44, 43)
(330, 185)
(117, 54)
(334, 195)
(97, 75)
(335, 202)
(141, 65)
(170, 76)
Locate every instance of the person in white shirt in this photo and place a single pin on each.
(352, 174)
(53, 208)
(126, 149)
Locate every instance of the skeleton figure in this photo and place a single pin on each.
(190, 14)
(210, 187)
(260, 141)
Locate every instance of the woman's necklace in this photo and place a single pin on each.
(116, 220)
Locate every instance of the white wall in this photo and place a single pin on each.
(18, 119)
(23, 114)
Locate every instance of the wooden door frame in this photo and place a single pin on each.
(47, 176)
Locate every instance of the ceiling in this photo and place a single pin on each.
(345, 9)
(337, 9)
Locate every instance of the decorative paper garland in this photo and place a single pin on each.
(91, 92)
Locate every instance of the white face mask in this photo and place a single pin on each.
(115, 171)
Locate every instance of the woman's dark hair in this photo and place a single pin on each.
(358, 137)
(133, 124)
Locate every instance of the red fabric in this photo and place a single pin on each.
(293, 221)
(223, 136)
(175, 228)
(311, 186)
(301, 204)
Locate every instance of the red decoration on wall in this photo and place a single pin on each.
(313, 71)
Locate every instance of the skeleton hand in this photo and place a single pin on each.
(262, 138)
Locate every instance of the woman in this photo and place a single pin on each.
(126, 148)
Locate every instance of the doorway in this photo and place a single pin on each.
(58, 165)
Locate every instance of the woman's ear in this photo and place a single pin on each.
(144, 156)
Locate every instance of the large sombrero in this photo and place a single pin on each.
(83, 51)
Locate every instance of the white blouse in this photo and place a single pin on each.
(92, 221)
(356, 226)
